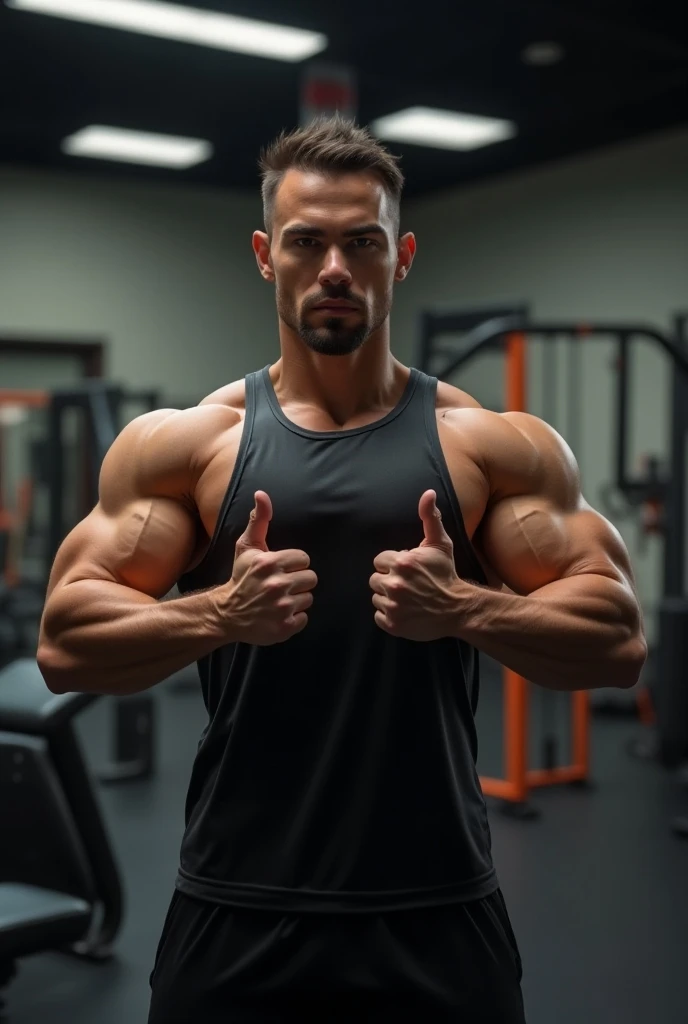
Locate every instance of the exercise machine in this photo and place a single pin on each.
(101, 407)
(21, 590)
(60, 885)
(505, 330)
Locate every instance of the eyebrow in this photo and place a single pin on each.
(305, 229)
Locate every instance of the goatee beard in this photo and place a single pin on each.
(333, 339)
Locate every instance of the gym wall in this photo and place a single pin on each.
(600, 237)
(165, 275)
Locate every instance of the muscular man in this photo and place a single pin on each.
(345, 532)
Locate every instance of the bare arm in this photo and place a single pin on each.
(104, 628)
(573, 620)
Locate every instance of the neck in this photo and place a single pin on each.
(343, 387)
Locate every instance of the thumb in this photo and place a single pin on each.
(255, 534)
(435, 533)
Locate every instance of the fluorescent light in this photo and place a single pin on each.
(442, 129)
(189, 24)
(542, 54)
(105, 143)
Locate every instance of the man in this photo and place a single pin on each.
(345, 532)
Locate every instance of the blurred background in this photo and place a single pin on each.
(545, 149)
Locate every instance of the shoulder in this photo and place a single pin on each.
(169, 446)
(519, 453)
(231, 396)
(544, 462)
(450, 398)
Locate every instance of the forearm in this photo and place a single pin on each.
(101, 637)
(579, 633)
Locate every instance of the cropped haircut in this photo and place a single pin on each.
(329, 145)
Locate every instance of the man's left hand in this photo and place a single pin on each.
(415, 592)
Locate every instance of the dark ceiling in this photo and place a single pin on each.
(623, 74)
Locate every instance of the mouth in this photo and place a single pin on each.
(335, 307)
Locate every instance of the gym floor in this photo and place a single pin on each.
(597, 886)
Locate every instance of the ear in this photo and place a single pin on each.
(261, 247)
(406, 250)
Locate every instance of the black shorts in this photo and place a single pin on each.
(220, 965)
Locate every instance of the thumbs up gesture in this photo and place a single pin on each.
(266, 600)
(415, 592)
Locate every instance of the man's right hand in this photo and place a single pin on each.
(269, 592)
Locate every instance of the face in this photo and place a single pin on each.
(334, 256)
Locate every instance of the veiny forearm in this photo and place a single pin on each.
(101, 637)
(579, 633)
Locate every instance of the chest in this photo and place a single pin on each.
(340, 496)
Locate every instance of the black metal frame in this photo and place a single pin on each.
(488, 330)
(74, 773)
(101, 405)
(434, 323)
(675, 501)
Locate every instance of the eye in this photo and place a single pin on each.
(363, 243)
(306, 243)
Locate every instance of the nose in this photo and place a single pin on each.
(334, 270)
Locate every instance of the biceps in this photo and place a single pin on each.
(530, 543)
(146, 547)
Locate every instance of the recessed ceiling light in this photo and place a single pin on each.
(542, 54)
(101, 142)
(188, 24)
(442, 129)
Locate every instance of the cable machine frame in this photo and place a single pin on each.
(508, 329)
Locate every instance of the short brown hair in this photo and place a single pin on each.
(331, 145)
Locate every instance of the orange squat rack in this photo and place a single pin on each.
(514, 789)
(32, 399)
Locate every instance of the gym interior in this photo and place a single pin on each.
(545, 151)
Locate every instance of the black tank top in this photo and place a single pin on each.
(337, 771)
